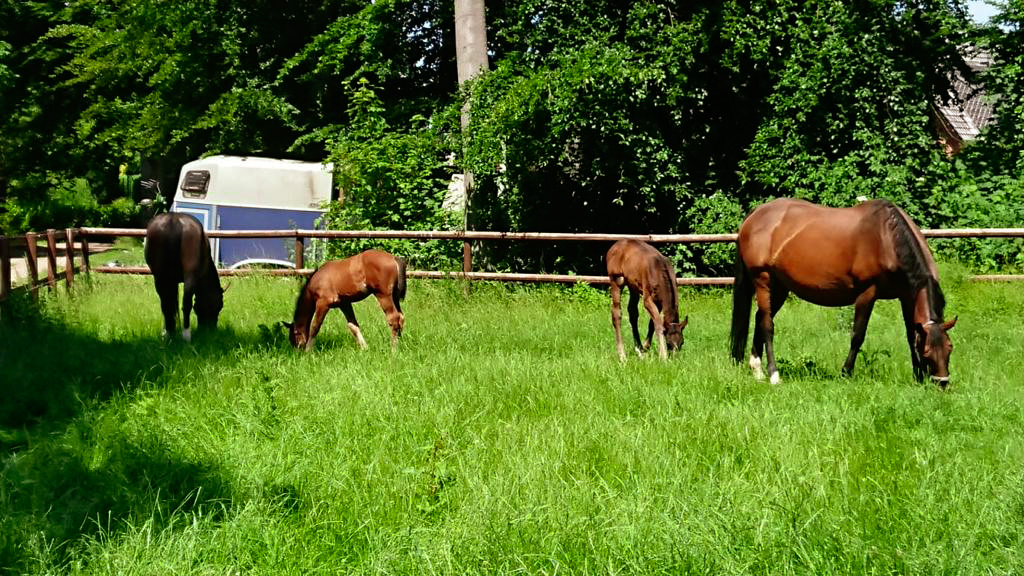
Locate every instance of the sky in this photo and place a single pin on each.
(980, 10)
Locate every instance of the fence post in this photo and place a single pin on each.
(85, 253)
(32, 259)
(300, 256)
(69, 257)
(51, 258)
(5, 268)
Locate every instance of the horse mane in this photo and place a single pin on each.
(914, 261)
(301, 297)
(666, 293)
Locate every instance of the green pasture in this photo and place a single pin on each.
(503, 436)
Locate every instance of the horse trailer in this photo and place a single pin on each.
(250, 193)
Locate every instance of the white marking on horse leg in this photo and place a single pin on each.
(186, 334)
(358, 334)
(775, 379)
(639, 351)
(755, 365)
(662, 346)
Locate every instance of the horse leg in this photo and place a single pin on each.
(616, 292)
(907, 305)
(353, 324)
(168, 294)
(650, 330)
(188, 293)
(861, 314)
(757, 348)
(634, 316)
(768, 304)
(657, 324)
(322, 308)
(396, 320)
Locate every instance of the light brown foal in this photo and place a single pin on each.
(649, 274)
(339, 283)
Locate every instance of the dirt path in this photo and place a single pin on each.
(19, 265)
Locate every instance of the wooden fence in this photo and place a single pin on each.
(29, 243)
(467, 237)
(12, 247)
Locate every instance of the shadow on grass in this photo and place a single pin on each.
(68, 472)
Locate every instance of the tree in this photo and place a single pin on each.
(471, 46)
(664, 116)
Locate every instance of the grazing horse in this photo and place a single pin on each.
(837, 257)
(339, 283)
(649, 274)
(177, 251)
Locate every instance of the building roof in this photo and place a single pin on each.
(966, 110)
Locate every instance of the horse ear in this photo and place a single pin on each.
(949, 325)
(686, 320)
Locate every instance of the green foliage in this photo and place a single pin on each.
(390, 179)
(1002, 149)
(662, 117)
(649, 116)
(966, 201)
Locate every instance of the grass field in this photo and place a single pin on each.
(503, 436)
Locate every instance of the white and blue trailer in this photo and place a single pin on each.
(252, 193)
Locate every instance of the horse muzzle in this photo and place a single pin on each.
(942, 381)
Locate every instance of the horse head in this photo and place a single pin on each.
(674, 334)
(295, 334)
(934, 347)
(209, 303)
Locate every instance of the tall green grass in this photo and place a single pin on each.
(503, 436)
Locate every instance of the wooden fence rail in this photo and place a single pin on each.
(29, 244)
(468, 236)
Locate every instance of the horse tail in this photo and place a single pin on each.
(742, 294)
(398, 291)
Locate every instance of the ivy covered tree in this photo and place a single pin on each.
(664, 116)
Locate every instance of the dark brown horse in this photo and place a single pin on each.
(177, 252)
(649, 274)
(339, 283)
(838, 257)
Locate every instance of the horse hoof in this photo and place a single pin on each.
(755, 366)
(775, 379)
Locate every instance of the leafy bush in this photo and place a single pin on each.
(391, 179)
(966, 201)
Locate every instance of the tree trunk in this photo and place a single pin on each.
(471, 58)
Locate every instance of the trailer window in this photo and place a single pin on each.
(196, 183)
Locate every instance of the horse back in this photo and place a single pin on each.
(639, 265)
(356, 277)
(177, 247)
(817, 249)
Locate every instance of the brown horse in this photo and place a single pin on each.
(649, 274)
(177, 251)
(339, 283)
(837, 257)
